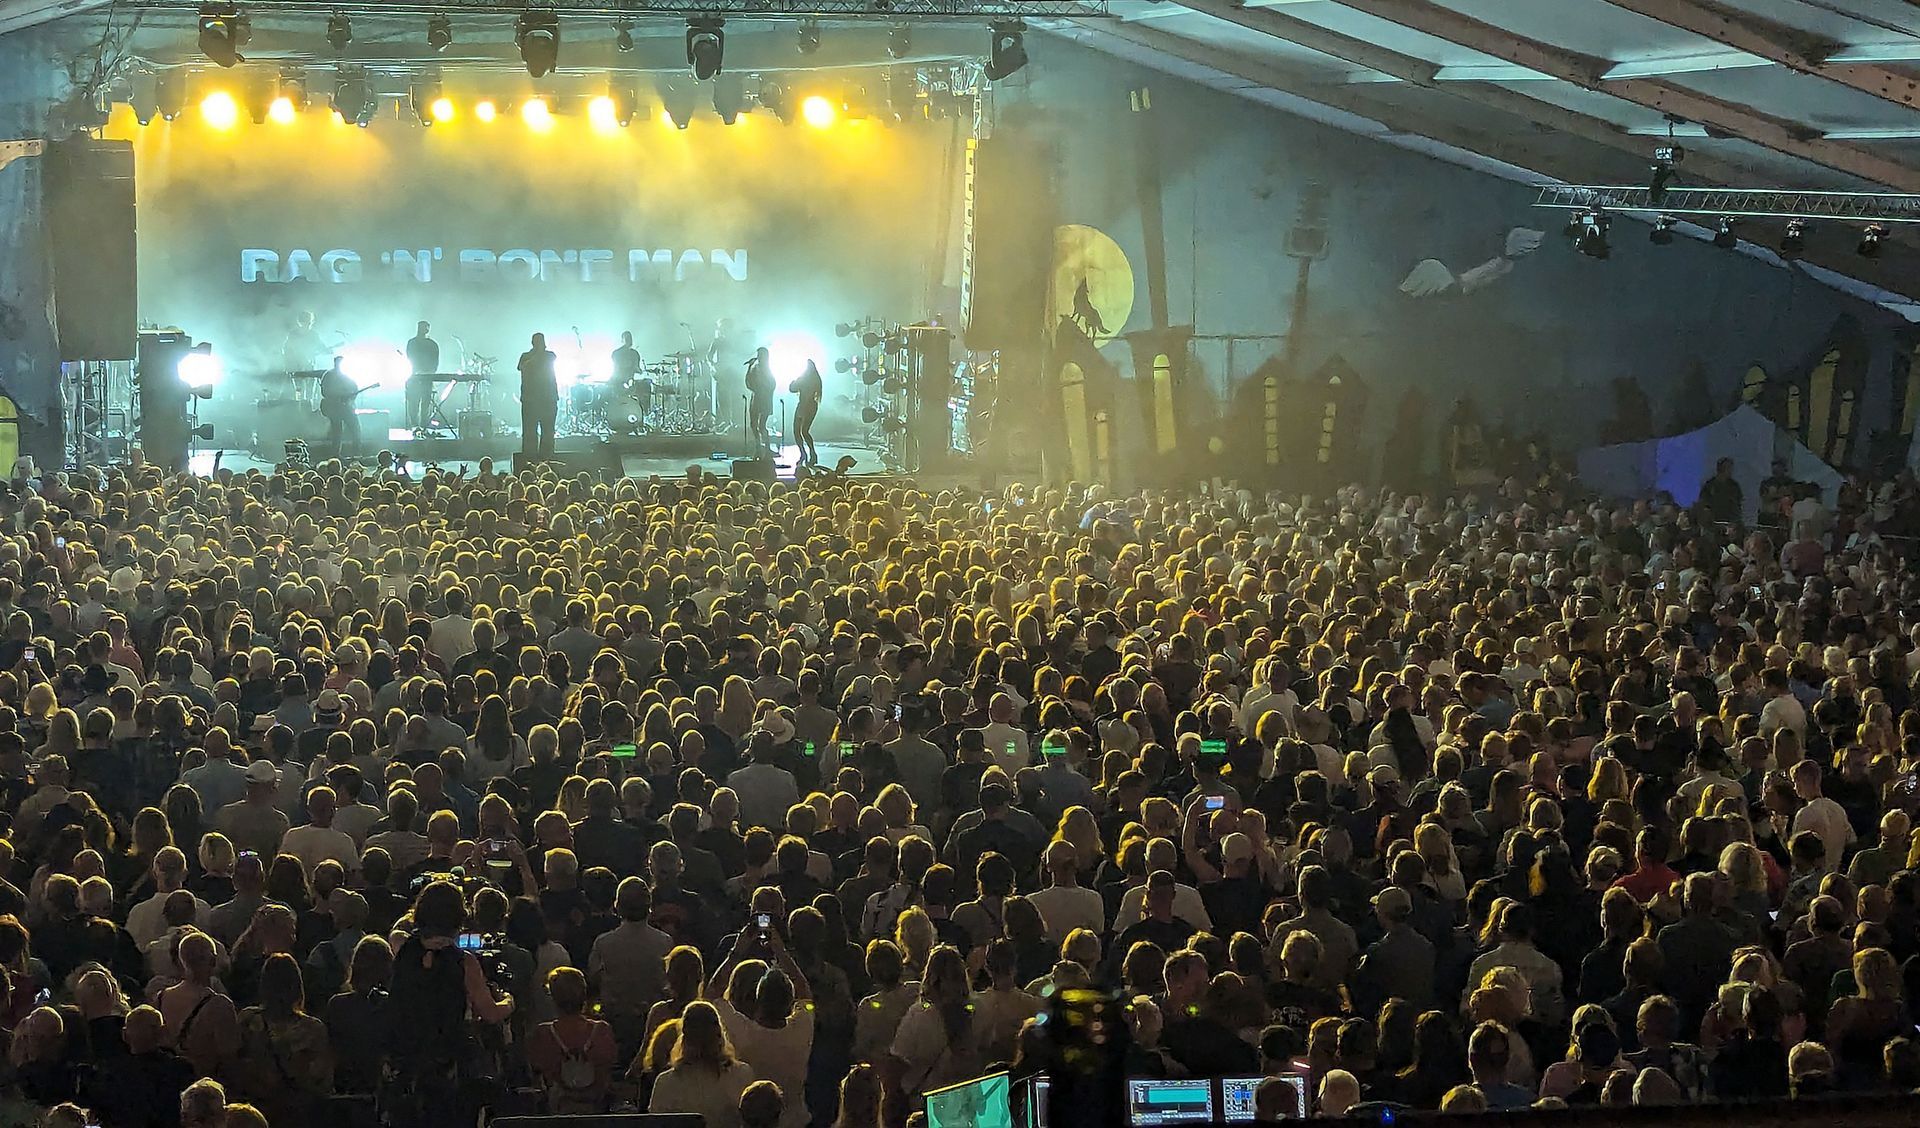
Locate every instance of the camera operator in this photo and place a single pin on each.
(434, 1074)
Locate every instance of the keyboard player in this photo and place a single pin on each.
(423, 357)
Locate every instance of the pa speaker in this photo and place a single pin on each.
(87, 186)
(1012, 205)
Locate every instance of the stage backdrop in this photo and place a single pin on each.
(495, 231)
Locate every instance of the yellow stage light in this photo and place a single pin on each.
(442, 109)
(666, 117)
(602, 113)
(485, 110)
(818, 112)
(537, 115)
(281, 111)
(219, 110)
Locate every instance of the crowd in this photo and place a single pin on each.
(344, 795)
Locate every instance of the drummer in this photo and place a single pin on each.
(626, 372)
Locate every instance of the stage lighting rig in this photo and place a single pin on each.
(1007, 50)
(353, 98)
(169, 95)
(900, 40)
(623, 38)
(1666, 160)
(1662, 233)
(626, 104)
(807, 40)
(776, 99)
(424, 99)
(1723, 236)
(729, 97)
(224, 29)
(537, 34)
(1794, 243)
(1591, 240)
(439, 33)
(678, 102)
(1869, 246)
(706, 46)
(339, 32)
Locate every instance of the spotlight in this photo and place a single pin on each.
(1794, 243)
(352, 99)
(871, 339)
(1869, 245)
(623, 38)
(807, 41)
(871, 415)
(626, 106)
(169, 95)
(776, 100)
(1007, 51)
(706, 47)
(282, 111)
(427, 102)
(1662, 233)
(485, 110)
(873, 376)
(843, 329)
(729, 97)
(1592, 240)
(219, 110)
(339, 32)
(1723, 236)
(439, 33)
(224, 29)
(818, 112)
(676, 105)
(1665, 160)
(537, 34)
(199, 368)
(537, 114)
(602, 114)
(260, 98)
(843, 365)
(204, 432)
(900, 40)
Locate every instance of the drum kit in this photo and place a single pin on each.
(671, 396)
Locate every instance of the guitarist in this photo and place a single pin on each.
(759, 398)
(337, 393)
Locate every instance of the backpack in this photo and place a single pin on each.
(576, 1072)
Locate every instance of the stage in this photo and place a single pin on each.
(643, 456)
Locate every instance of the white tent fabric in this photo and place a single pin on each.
(1680, 464)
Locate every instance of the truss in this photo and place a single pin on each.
(1738, 203)
(889, 9)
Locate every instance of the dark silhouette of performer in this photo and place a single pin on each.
(539, 400)
(423, 358)
(808, 389)
(759, 397)
(337, 393)
(626, 373)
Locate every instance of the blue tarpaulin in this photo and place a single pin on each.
(1680, 464)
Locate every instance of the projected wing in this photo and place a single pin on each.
(1428, 278)
(1523, 241)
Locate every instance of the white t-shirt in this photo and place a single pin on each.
(1827, 819)
(780, 1056)
(316, 844)
(1065, 908)
(716, 1097)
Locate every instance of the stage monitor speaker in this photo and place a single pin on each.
(87, 186)
(476, 426)
(598, 461)
(609, 1120)
(754, 470)
(376, 427)
(1013, 206)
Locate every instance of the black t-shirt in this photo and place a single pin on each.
(423, 355)
(537, 381)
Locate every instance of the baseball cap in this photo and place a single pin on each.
(1236, 847)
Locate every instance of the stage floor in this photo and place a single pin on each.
(637, 458)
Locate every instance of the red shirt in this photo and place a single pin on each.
(1649, 880)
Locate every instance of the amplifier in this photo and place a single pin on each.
(476, 425)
